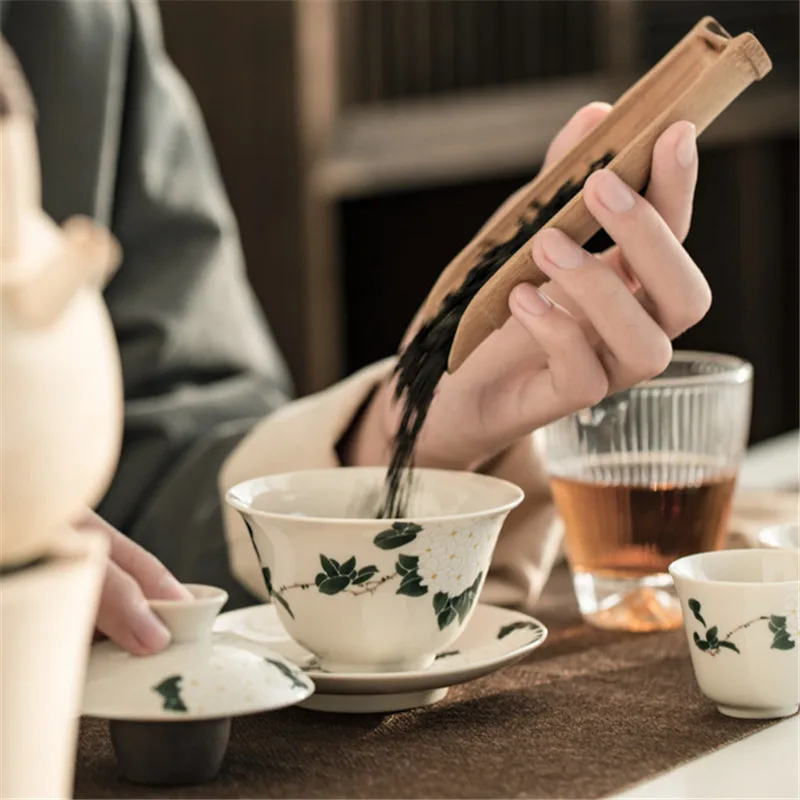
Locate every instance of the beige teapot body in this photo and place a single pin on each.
(60, 377)
(60, 417)
(60, 430)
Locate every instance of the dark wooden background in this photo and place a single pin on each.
(341, 271)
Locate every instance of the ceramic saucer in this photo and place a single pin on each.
(494, 638)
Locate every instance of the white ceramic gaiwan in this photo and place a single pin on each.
(371, 595)
(740, 610)
(170, 713)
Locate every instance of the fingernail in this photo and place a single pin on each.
(531, 300)
(561, 250)
(614, 194)
(686, 149)
(148, 629)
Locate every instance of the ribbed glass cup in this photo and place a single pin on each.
(645, 477)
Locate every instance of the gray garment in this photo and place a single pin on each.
(121, 139)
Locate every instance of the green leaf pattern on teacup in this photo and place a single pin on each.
(399, 534)
(449, 608)
(783, 637)
(278, 596)
(170, 691)
(407, 567)
(781, 640)
(440, 565)
(791, 611)
(336, 577)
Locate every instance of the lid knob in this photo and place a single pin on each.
(191, 620)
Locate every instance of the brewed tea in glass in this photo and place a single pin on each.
(645, 477)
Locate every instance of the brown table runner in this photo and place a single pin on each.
(586, 715)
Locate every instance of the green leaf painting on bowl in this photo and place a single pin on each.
(442, 567)
(784, 635)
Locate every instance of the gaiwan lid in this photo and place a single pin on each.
(201, 675)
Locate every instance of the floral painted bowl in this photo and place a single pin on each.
(372, 595)
(740, 611)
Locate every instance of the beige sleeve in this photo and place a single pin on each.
(304, 435)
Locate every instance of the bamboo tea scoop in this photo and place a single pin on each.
(702, 75)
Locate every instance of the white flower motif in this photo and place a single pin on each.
(790, 611)
(449, 561)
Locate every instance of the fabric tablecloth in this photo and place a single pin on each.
(584, 716)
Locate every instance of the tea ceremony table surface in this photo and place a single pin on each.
(591, 714)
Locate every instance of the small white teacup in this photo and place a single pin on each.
(366, 594)
(740, 612)
(782, 536)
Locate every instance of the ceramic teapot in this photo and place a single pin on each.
(60, 376)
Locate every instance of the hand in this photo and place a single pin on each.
(133, 576)
(601, 323)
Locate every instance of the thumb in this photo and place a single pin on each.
(582, 121)
(125, 617)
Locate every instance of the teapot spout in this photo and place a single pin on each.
(89, 258)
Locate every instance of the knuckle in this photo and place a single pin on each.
(589, 388)
(662, 355)
(650, 360)
(695, 307)
(682, 228)
(570, 342)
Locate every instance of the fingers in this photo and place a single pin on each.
(132, 576)
(583, 121)
(632, 346)
(155, 580)
(673, 180)
(673, 177)
(125, 616)
(678, 293)
(575, 377)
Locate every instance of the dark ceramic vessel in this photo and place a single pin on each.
(170, 753)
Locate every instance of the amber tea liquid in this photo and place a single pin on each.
(627, 520)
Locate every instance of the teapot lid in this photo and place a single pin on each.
(200, 675)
